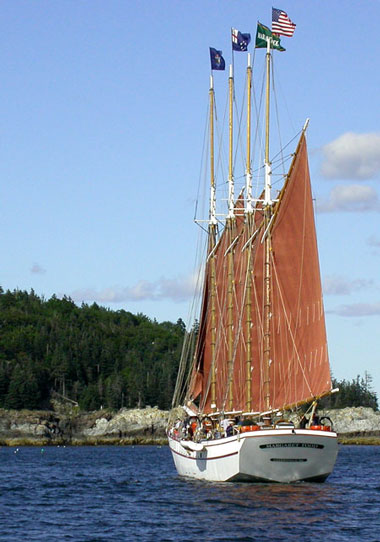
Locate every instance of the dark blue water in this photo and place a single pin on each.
(133, 493)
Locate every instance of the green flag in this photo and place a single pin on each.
(263, 34)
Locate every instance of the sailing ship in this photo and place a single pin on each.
(260, 361)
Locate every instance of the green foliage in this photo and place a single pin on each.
(100, 357)
(356, 393)
(89, 354)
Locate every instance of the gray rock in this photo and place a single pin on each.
(148, 422)
(354, 420)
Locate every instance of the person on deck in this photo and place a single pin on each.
(230, 430)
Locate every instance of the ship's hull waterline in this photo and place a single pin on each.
(277, 455)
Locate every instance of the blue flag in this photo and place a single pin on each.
(240, 41)
(217, 61)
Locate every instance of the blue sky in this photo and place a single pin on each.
(102, 115)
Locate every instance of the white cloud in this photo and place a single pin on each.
(358, 309)
(37, 269)
(352, 198)
(335, 285)
(177, 290)
(352, 156)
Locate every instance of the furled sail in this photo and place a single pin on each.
(231, 371)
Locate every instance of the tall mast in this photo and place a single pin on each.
(211, 245)
(248, 171)
(249, 209)
(267, 165)
(231, 189)
(230, 227)
(212, 222)
(267, 241)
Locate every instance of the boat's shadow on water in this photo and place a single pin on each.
(264, 511)
(344, 505)
(304, 498)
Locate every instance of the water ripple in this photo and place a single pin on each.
(94, 494)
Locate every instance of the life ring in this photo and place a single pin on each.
(320, 428)
(326, 427)
(248, 428)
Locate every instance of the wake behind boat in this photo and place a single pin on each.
(260, 362)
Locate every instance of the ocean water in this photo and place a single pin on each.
(133, 493)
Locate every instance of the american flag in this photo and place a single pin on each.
(281, 24)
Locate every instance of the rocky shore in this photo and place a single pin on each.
(143, 426)
(71, 426)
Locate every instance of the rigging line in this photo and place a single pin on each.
(235, 346)
(244, 338)
(260, 333)
(182, 378)
(184, 359)
(222, 341)
(295, 137)
(247, 278)
(180, 381)
(199, 274)
(258, 142)
(220, 335)
(253, 56)
(277, 114)
(285, 106)
(186, 369)
(289, 326)
(303, 249)
(203, 161)
(278, 162)
(223, 154)
(241, 269)
(258, 107)
(208, 385)
(239, 144)
(205, 396)
(260, 327)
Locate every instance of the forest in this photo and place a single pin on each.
(98, 357)
(92, 355)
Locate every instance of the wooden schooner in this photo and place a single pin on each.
(260, 353)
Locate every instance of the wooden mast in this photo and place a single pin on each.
(211, 245)
(230, 228)
(267, 242)
(249, 222)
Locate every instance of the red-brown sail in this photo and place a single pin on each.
(298, 365)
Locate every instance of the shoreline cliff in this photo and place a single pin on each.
(355, 425)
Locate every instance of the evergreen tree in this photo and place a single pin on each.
(100, 357)
(89, 354)
(356, 393)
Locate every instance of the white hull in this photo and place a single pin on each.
(273, 455)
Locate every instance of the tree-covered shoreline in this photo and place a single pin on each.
(100, 358)
(93, 355)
